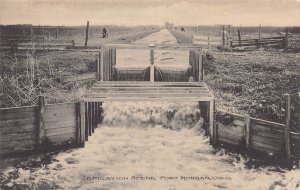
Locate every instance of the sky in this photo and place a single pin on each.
(148, 12)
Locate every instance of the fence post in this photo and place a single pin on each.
(102, 63)
(200, 66)
(247, 131)
(86, 33)
(82, 124)
(286, 42)
(287, 98)
(151, 63)
(223, 35)
(86, 119)
(41, 123)
(212, 123)
(98, 65)
(239, 35)
(56, 34)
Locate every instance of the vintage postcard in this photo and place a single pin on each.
(149, 95)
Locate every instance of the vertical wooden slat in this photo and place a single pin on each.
(200, 66)
(287, 127)
(98, 65)
(93, 116)
(90, 117)
(86, 121)
(223, 35)
(212, 126)
(239, 35)
(41, 123)
(247, 131)
(102, 63)
(259, 28)
(82, 124)
(286, 41)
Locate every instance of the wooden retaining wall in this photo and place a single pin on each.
(43, 127)
(256, 135)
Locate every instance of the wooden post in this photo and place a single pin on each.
(223, 35)
(212, 123)
(41, 123)
(228, 35)
(56, 34)
(93, 116)
(151, 63)
(90, 118)
(31, 34)
(86, 121)
(86, 34)
(239, 35)
(82, 124)
(287, 127)
(102, 63)
(286, 42)
(259, 28)
(98, 65)
(200, 67)
(247, 131)
(208, 42)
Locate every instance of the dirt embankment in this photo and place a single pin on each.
(253, 82)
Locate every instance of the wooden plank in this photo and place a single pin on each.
(18, 136)
(265, 148)
(160, 99)
(62, 138)
(82, 123)
(79, 77)
(9, 129)
(270, 141)
(61, 123)
(86, 121)
(17, 144)
(17, 122)
(230, 133)
(93, 116)
(60, 116)
(149, 94)
(183, 47)
(287, 130)
(145, 83)
(267, 132)
(61, 130)
(17, 110)
(61, 109)
(222, 139)
(41, 123)
(273, 125)
(238, 122)
(247, 131)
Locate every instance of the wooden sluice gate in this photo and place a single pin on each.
(152, 83)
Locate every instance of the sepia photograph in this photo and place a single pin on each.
(149, 94)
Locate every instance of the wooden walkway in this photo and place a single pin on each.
(148, 91)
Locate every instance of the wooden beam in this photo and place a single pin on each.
(239, 35)
(223, 35)
(247, 131)
(82, 124)
(259, 28)
(86, 34)
(41, 123)
(287, 127)
(86, 121)
(152, 65)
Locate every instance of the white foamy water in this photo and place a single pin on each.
(165, 59)
(142, 145)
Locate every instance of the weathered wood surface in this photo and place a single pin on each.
(158, 91)
(155, 47)
(79, 77)
(256, 134)
(259, 42)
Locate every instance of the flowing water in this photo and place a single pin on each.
(146, 145)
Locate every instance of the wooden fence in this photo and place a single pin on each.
(279, 42)
(256, 135)
(43, 127)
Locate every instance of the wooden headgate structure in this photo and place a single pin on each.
(107, 89)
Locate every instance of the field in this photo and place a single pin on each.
(25, 74)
